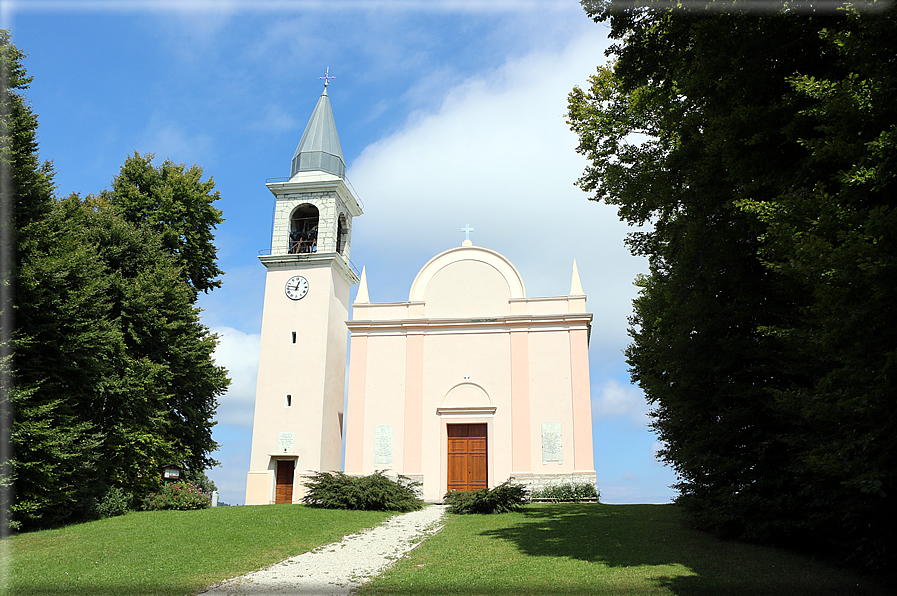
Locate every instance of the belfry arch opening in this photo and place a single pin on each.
(342, 231)
(304, 229)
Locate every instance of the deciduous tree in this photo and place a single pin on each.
(113, 373)
(173, 200)
(758, 148)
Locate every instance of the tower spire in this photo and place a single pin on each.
(575, 284)
(319, 149)
(362, 296)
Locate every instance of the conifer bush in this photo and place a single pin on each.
(376, 492)
(114, 502)
(181, 496)
(568, 491)
(504, 498)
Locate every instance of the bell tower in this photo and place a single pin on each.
(297, 426)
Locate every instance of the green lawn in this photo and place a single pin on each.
(543, 550)
(602, 549)
(170, 553)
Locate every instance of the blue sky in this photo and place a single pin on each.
(448, 113)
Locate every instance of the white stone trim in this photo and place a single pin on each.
(335, 260)
(466, 411)
(507, 324)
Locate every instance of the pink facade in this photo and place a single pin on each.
(469, 352)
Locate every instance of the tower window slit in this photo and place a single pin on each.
(289, 400)
(341, 234)
(293, 339)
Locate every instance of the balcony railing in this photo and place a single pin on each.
(266, 252)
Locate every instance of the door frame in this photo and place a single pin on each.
(443, 447)
(482, 478)
(277, 462)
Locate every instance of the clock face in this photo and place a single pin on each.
(296, 288)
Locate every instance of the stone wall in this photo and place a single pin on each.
(541, 481)
(329, 206)
(417, 478)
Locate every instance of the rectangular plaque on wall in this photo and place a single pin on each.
(383, 445)
(551, 442)
(285, 442)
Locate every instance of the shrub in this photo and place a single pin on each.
(376, 492)
(199, 479)
(503, 498)
(177, 495)
(115, 502)
(568, 491)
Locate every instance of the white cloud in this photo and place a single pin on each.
(657, 446)
(239, 353)
(168, 140)
(615, 399)
(498, 154)
(212, 7)
(273, 119)
(616, 494)
(230, 476)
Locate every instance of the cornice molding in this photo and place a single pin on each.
(503, 324)
(332, 259)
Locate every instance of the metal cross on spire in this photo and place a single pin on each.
(327, 76)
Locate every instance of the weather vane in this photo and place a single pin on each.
(327, 77)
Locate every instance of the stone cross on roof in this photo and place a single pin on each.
(467, 230)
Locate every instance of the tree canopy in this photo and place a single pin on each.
(112, 374)
(759, 149)
(173, 200)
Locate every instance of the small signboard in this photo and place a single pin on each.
(552, 449)
(383, 445)
(171, 473)
(286, 442)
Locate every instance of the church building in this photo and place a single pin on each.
(465, 385)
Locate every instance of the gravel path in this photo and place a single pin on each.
(340, 567)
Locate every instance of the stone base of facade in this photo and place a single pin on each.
(541, 481)
(419, 478)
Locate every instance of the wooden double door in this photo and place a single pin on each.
(467, 459)
(283, 484)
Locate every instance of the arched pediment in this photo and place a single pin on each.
(467, 281)
(466, 399)
(466, 394)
